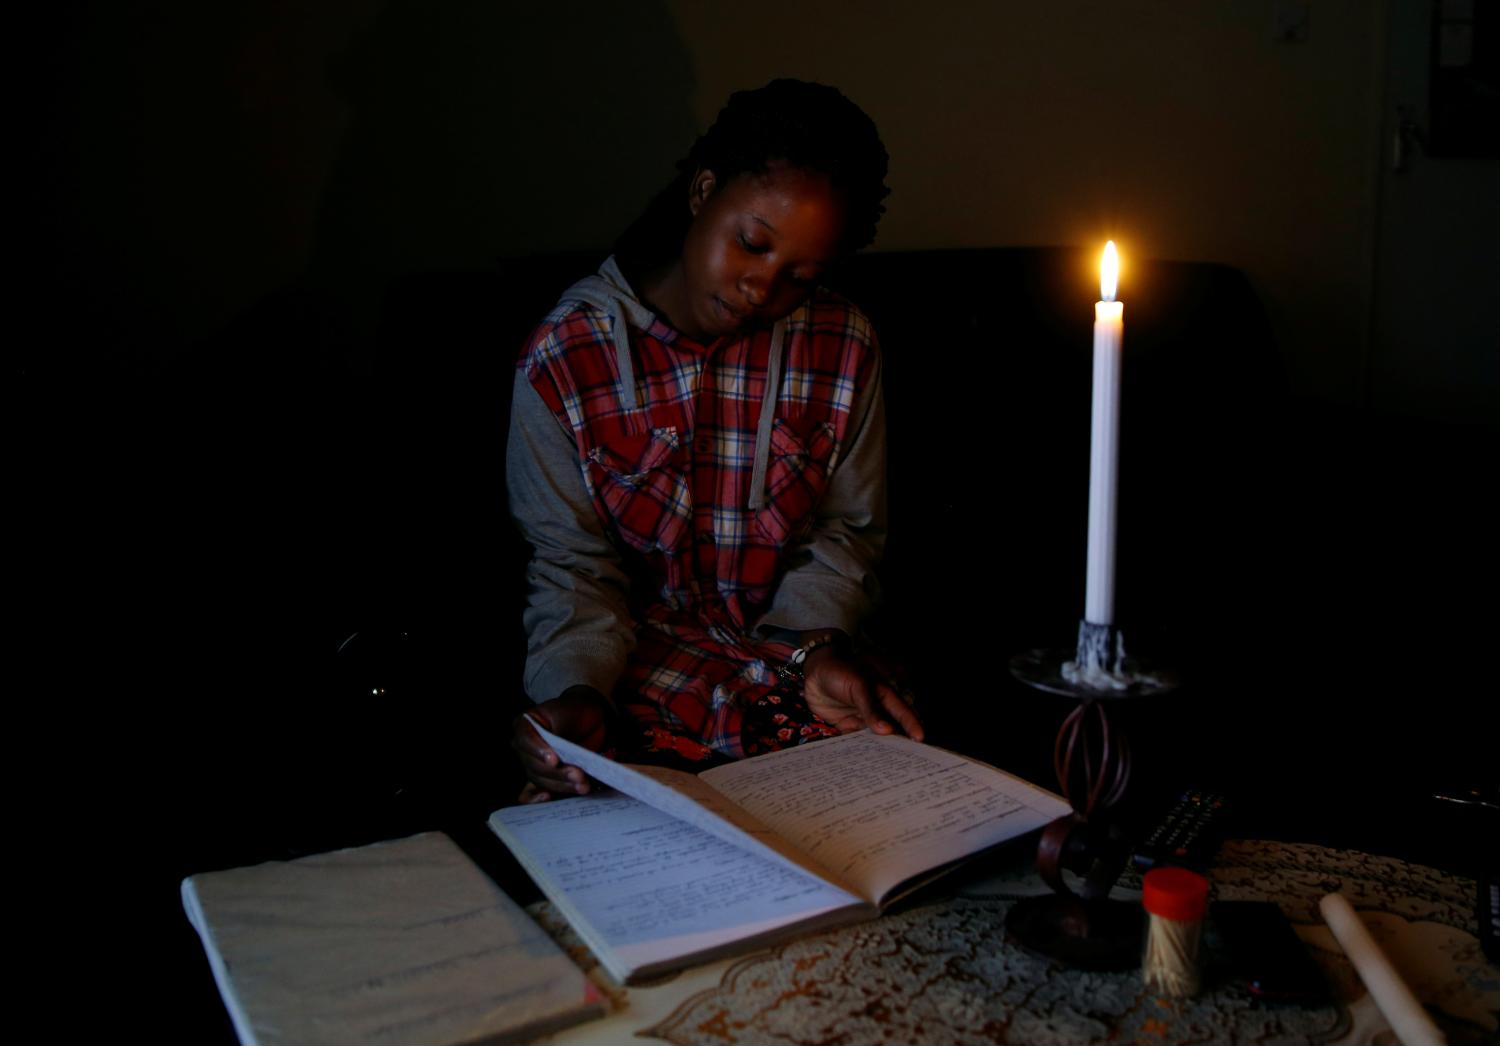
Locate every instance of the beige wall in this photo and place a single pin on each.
(211, 154)
(1179, 128)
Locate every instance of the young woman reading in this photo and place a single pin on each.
(697, 457)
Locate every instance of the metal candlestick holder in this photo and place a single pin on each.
(1092, 760)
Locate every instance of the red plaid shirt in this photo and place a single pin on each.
(671, 481)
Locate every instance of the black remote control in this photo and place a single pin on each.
(1187, 835)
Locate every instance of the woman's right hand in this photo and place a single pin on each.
(580, 714)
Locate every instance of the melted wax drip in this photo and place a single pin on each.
(1099, 663)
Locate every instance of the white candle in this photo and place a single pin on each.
(1392, 997)
(1109, 331)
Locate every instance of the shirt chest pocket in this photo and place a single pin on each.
(802, 454)
(641, 483)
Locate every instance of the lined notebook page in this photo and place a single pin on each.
(877, 810)
(647, 886)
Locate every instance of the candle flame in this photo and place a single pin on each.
(1109, 272)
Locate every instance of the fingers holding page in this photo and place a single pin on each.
(864, 697)
(545, 772)
(904, 715)
(838, 692)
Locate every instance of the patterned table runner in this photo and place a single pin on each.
(943, 972)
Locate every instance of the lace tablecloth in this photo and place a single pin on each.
(944, 973)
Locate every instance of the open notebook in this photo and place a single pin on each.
(673, 868)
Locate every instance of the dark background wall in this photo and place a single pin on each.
(227, 450)
(231, 195)
(201, 159)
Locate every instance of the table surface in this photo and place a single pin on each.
(941, 971)
(1309, 780)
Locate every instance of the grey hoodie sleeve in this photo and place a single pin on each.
(831, 581)
(578, 625)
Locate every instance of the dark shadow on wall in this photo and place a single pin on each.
(221, 406)
(477, 131)
(235, 452)
(481, 129)
(195, 158)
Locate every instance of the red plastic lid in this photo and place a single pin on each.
(1175, 893)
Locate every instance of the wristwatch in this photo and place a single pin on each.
(793, 669)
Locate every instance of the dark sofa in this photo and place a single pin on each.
(987, 382)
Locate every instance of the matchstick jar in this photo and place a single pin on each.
(1175, 900)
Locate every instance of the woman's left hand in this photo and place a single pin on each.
(838, 693)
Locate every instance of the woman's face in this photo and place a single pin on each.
(756, 247)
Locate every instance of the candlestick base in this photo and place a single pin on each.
(1092, 759)
(1097, 668)
(1090, 935)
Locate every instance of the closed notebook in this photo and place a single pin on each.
(402, 943)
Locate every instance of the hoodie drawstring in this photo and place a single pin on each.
(767, 418)
(621, 331)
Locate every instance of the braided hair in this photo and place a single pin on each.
(803, 125)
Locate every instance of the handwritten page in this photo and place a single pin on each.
(689, 799)
(643, 887)
(404, 942)
(877, 810)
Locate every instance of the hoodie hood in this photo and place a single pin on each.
(609, 291)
